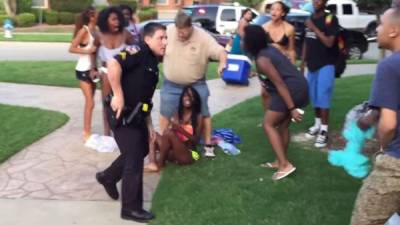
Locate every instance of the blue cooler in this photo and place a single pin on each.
(237, 70)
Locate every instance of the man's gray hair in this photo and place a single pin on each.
(183, 20)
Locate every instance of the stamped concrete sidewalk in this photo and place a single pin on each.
(58, 167)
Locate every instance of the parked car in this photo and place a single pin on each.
(221, 19)
(351, 18)
(221, 39)
(356, 42)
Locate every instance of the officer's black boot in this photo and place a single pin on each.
(109, 186)
(141, 216)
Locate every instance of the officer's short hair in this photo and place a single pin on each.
(150, 28)
(183, 20)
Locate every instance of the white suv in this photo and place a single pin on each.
(222, 19)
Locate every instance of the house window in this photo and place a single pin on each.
(347, 9)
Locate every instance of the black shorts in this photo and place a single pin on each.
(83, 76)
(300, 100)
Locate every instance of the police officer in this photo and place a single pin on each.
(133, 76)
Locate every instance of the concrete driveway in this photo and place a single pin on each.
(52, 180)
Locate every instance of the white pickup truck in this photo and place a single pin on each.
(351, 18)
(222, 18)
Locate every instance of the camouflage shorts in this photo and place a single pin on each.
(379, 197)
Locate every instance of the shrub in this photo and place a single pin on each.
(147, 14)
(24, 6)
(70, 5)
(4, 17)
(25, 19)
(37, 14)
(101, 7)
(131, 3)
(66, 18)
(51, 17)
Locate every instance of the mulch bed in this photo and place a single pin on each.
(338, 142)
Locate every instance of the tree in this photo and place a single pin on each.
(11, 7)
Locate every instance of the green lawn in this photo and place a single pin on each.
(21, 126)
(236, 191)
(54, 73)
(362, 61)
(60, 73)
(45, 37)
(45, 73)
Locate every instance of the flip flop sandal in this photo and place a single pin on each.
(282, 174)
(150, 169)
(267, 165)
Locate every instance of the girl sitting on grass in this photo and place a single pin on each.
(181, 138)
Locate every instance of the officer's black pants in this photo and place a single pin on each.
(133, 144)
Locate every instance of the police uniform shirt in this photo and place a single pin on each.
(139, 74)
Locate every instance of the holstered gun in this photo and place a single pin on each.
(129, 116)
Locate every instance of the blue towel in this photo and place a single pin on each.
(351, 157)
(227, 135)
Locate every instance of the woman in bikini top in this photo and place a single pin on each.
(283, 42)
(180, 140)
(281, 33)
(83, 45)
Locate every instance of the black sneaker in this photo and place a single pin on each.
(322, 139)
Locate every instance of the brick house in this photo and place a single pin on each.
(170, 5)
